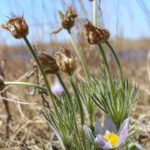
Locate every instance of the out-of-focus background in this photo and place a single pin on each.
(129, 25)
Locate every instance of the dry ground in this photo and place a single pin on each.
(28, 128)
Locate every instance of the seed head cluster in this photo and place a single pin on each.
(68, 20)
(17, 27)
(94, 34)
(66, 61)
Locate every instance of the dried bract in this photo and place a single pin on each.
(65, 61)
(95, 35)
(48, 62)
(67, 20)
(17, 26)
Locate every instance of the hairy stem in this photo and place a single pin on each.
(117, 61)
(79, 55)
(94, 13)
(78, 99)
(18, 83)
(51, 95)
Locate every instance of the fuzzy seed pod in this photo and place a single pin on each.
(48, 62)
(95, 35)
(65, 61)
(17, 27)
(67, 20)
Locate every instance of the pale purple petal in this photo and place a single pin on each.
(109, 125)
(123, 132)
(98, 127)
(102, 142)
(88, 133)
(57, 88)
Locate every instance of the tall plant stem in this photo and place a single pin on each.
(107, 68)
(80, 56)
(82, 115)
(51, 95)
(11, 83)
(78, 99)
(117, 61)
(65, 89)
(70, 100)
(94, 13)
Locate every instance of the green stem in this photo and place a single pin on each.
(39, 65)
(70, 101)
(117, 61)
(78, 99)
(80, 56)
(107, 68)
(94, 13)
(10, 83)
(51, 95)
(65, 89)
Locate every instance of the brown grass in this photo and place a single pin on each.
(28, 128)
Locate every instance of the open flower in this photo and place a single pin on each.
(17, 27)
(57, 88)
(107, 136)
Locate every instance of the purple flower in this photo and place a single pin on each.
(107, 136)
(57, 88)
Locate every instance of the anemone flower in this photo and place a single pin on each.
(57, 88)
(107, 136)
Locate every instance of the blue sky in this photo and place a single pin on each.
(121, 17)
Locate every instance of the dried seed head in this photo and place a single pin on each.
(71, 12)
(17, 26)
(48, 62)
(68, 20)
(65, 61)
(95, 35)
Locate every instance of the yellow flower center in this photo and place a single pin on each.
(111, 137)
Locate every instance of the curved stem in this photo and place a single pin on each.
(70, 100)
(39, 65)
(65, 89)
(10, 83)
(78, 99)
(80, 56)
(51, 95)
(117, 61)
(107, 67)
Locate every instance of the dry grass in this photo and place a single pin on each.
(28, 128)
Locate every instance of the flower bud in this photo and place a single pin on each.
(48, 62)
(95, 35)
(17, 26)
(65, 61)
